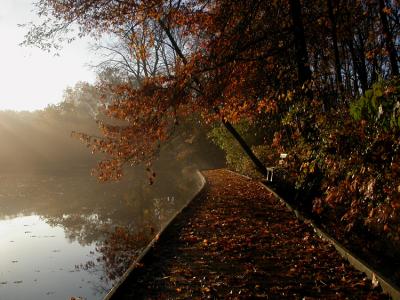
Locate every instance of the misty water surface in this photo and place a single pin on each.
(63, 234)
(51, 227)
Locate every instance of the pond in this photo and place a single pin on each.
(66, 235)
(38, 262)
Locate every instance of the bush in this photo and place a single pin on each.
(236, 159)
(380, 105)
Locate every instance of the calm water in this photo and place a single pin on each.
(53, 230)
(38, 262)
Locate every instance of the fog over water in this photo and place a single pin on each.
(56, 221)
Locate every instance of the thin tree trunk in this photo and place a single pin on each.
(362, 75)
(374, 71)
(352, 73)
(302, 60)
(338, 68)
(259, 165)
(246, 148)
(363, 60)
(391, 49)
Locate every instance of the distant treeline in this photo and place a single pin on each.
(41, 140)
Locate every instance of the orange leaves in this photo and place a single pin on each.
(317, 206)
(267, 106)
(395, 204)
(331, 197)
(141, 118)
(276, 142)
(214, 60)
(387, 10)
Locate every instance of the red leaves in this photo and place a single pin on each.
(238, 241)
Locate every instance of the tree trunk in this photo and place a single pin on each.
(259, 165)
(338, 68)
(302, 60)
(246, 148)
(360, 71)
(390, 48)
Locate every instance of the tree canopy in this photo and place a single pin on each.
(288, 70)
(224, 59)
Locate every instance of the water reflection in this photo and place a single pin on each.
(67, 235)
(37, 262)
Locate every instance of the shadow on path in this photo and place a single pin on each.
(237, 241)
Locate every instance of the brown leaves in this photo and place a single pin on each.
(120, 249)
(237, 241)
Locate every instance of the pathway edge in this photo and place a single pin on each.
(153, 242)
(386, 284)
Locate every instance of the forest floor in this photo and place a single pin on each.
(237, 241)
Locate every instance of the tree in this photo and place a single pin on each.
(151, 110)
(390, 47)
(303, 69)
(224, 60)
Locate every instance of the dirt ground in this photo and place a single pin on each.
(237, 241)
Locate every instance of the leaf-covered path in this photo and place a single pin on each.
(237, 241)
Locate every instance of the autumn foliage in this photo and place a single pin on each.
(315, 79)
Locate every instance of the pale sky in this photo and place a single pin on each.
(29, 77)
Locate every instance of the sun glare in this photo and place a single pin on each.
(31, 78)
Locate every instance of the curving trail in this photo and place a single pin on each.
(236, 241)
